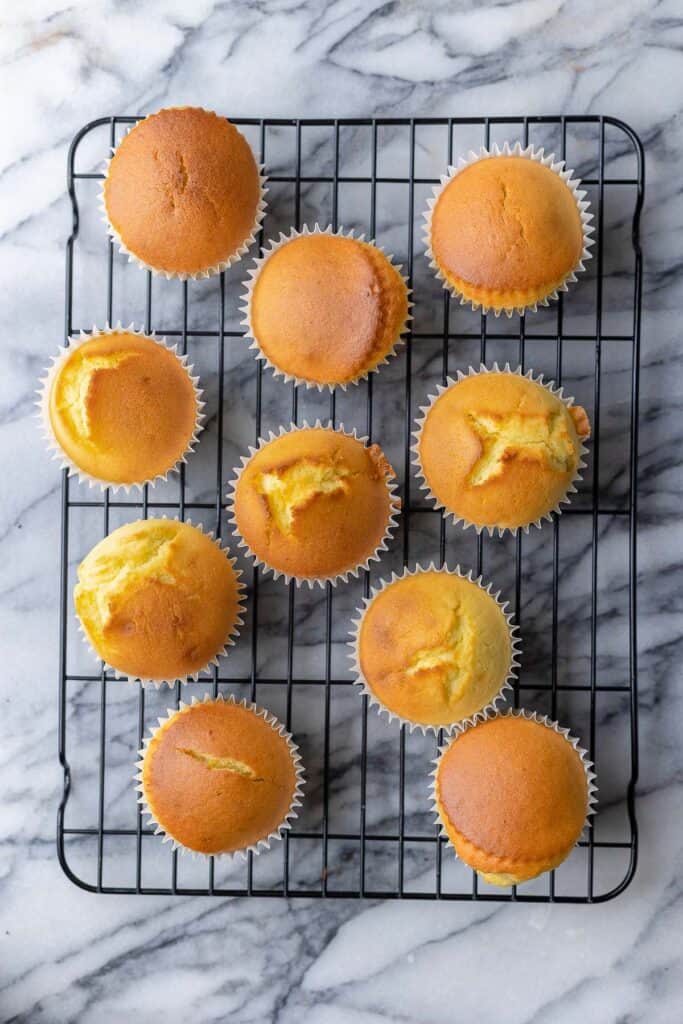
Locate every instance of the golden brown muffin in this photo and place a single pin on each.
(434, 648)
(506, 232)
(122, 408)
(218, 777)
(513, 796)
(327, 309)
(314, 503)
(158, 600)
(182, 192)
(500, 450)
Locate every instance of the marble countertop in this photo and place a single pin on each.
(66, 955)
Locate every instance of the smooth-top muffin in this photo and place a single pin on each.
(158, 599)
(182, 192)
(218, 777)
(506, 232)
(122, 408)
(500, 450)
(513, 796)
(327, 309)
(314, 503)
(434, 648)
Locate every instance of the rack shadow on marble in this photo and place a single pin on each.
(380, 845)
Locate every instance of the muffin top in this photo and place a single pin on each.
(122, 407)
(314, 503)
(327, 309)
(507, 225)
(217, 777)
(182, 191)
(434, 648)
(498, 449)
(514, 789)
(158, 599)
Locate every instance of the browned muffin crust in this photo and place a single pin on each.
(182, 191)
(506, 232)
(327, 309)
(314, 503)
(500, 450)
(123, 408)
(217, 777)
(512, 794)
(158, 599)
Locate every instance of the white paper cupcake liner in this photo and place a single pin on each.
(262, 844)
(364, 686)
(530, 153)
(230, 640)
(532, 716)
(272, 247)
(395, 507)
(211, 271)
(421, 420)
(43, 406)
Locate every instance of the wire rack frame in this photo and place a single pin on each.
(518, 128)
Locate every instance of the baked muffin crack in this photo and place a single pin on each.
(78, 390)
(183, 175)
(108, 577)
(451, 659)
(522, 437)
(221, 764)
(288, 489)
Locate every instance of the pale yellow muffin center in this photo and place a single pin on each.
(122, 407)
(77, 383)
(293, 487)
(158, 599)
(314, 503)
(498, 449)
(542, 438)
(221, 764)
(103, 578)
(434, 647)
(450, 662)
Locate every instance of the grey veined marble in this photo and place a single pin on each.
(67, 955)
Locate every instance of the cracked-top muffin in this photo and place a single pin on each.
(513, 793)
(434, 647)
(500, 450)
(182, 193)
(121, 408)
(507, 231)
(326, 309)
(221, 777)
(158, 600)
(314, 504)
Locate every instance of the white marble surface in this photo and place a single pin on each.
(66, 955)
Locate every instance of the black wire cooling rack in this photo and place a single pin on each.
(366, 828)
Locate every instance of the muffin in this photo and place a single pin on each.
(508, 230)
(120, 408)
(433, 647)
(513, 793)
(220, 777)
(158, 600)
(324, 308)
(314, 504)
(182, 194)
(499, 450)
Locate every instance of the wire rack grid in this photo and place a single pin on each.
(366, 829)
